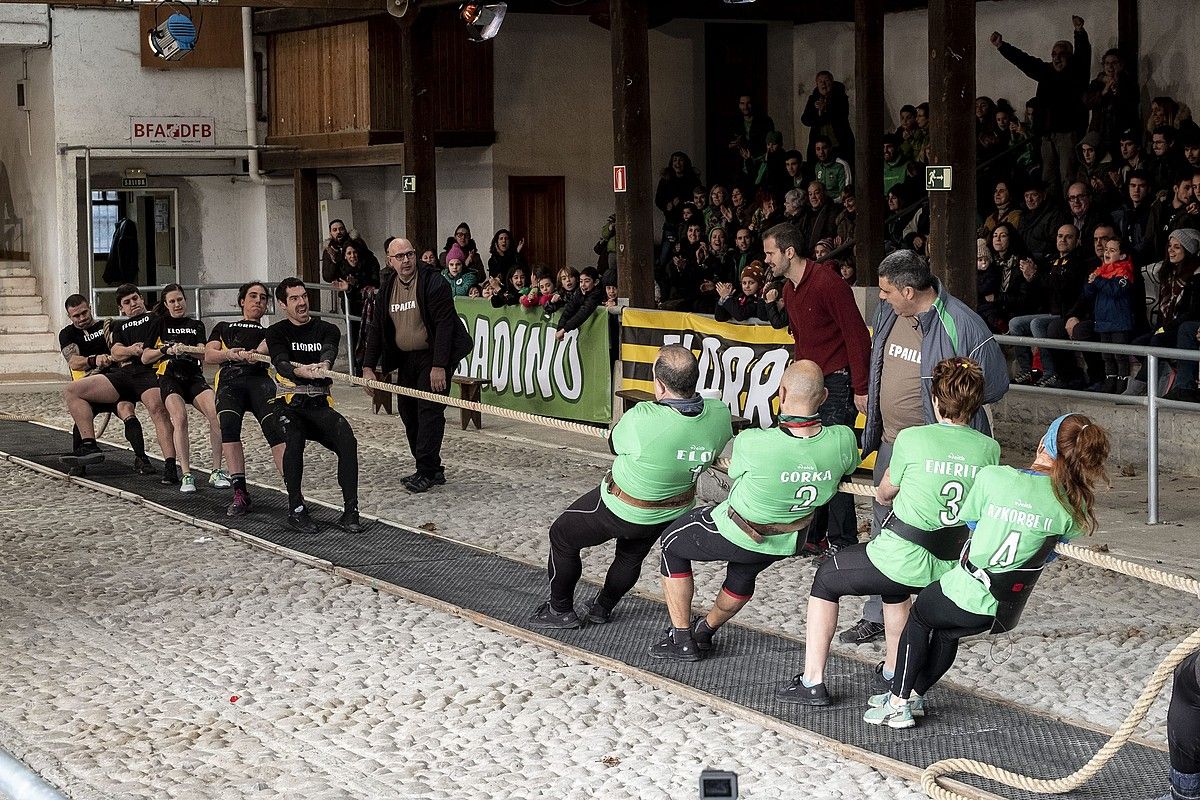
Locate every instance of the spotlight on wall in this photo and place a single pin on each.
(174, 37)
(483, 21)
(397, 8)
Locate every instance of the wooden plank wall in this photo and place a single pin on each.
(338, 86)
(219, 43)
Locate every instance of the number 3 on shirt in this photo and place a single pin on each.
(952, 495)
(807, 495)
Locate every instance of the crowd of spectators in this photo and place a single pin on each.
(1079, 157)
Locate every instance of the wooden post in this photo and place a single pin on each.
(308, 233)
(952, 142)
(1128, 34)
(416, 119)
(868, 153)
(631, 148)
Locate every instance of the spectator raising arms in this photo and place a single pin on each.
(504, 254)
(827, 113)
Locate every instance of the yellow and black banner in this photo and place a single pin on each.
(743, 362)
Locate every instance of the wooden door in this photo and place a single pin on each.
(538, 214)
(735, 63)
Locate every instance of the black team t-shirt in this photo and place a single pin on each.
(85, 342)
(247, 334)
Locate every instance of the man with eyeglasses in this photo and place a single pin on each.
(1084, 217)
(416, 332)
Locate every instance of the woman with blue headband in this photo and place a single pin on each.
(1017, 516)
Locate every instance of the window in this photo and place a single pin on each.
(104, 221)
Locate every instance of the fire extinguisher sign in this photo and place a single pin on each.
(620, 178)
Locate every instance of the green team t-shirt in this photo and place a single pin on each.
(935, 467)
(660, 453)
(1014, 513)
(778, 477)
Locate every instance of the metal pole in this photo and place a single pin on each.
(349, 332)
(199, 314)
(91, 257)
(1152, 440)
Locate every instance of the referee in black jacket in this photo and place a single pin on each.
(416, 332)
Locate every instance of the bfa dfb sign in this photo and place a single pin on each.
(172, 130)
(620, 178)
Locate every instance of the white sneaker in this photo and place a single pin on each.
(218, 479)
(188, 484)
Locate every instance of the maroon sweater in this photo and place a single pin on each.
(824, 320)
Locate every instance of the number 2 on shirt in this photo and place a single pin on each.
(807, 495)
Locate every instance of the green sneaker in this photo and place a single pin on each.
(218, 479)
(916, 703)
(889, 715)
(188, 484)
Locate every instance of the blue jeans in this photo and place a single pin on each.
(836, 518)
(1037, 325)
(1185, 339)
(1185, 786)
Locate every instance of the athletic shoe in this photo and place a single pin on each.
(240, 504)
(77, 472)
(702, 635)
(1052, 382)
(218, 479)
(598, 614)
(1024, 378)
(437, 479)
(142, 466)
(1098, 386)
(546, 618)
(862, 632)
(1135, 388)
(86, 453)
(880, 681)
(888, 714)
(301, 521)
(1114, 385)
(798, 694)
(916, 703)
(421, 483)
(349, 521)
(169, 478)
(668, 648)
(188, 484)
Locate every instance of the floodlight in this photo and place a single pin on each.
(483, 21)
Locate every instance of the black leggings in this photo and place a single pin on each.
(850, 572)
(694, 537)
(1183, 718)
(586, 523)
(308, 419)
(254, 393)
(929, 643)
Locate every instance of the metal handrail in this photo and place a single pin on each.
(199, 312)
(1151, 401)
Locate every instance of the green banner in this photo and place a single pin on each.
(530, 370)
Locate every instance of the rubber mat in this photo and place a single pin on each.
(745, 667)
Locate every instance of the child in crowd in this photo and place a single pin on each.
(540, 294)
(581, 305)
(823, 249)
(460, 282)
(511, 292)
(568, 287)
(849, 272)
(429, 258)
(1111, 288)
(474, 291)
(610, 296)
(987, 287)
(743, 303)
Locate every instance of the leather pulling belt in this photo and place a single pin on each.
(759, 531)
(944, 543)
(674, 501)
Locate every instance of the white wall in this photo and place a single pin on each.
(554, 115)
(27, 152)
(24, 24)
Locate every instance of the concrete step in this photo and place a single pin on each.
(24, 323)
(15, 269)
(39, 362)
(18, 286)
(28, 343)
(21, 304)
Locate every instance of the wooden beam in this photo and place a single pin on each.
(952, 142)
(868, 153)
(286, 20)
(1128, 34)
(308, 234)
(416, 119)
(631, 148)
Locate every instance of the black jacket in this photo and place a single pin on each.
(579, 307)
(449, 341)
(1060, 94)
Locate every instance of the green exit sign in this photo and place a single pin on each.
(939, 179)
(408, 184)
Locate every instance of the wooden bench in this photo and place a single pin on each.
(470, 390)
(631, 397)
